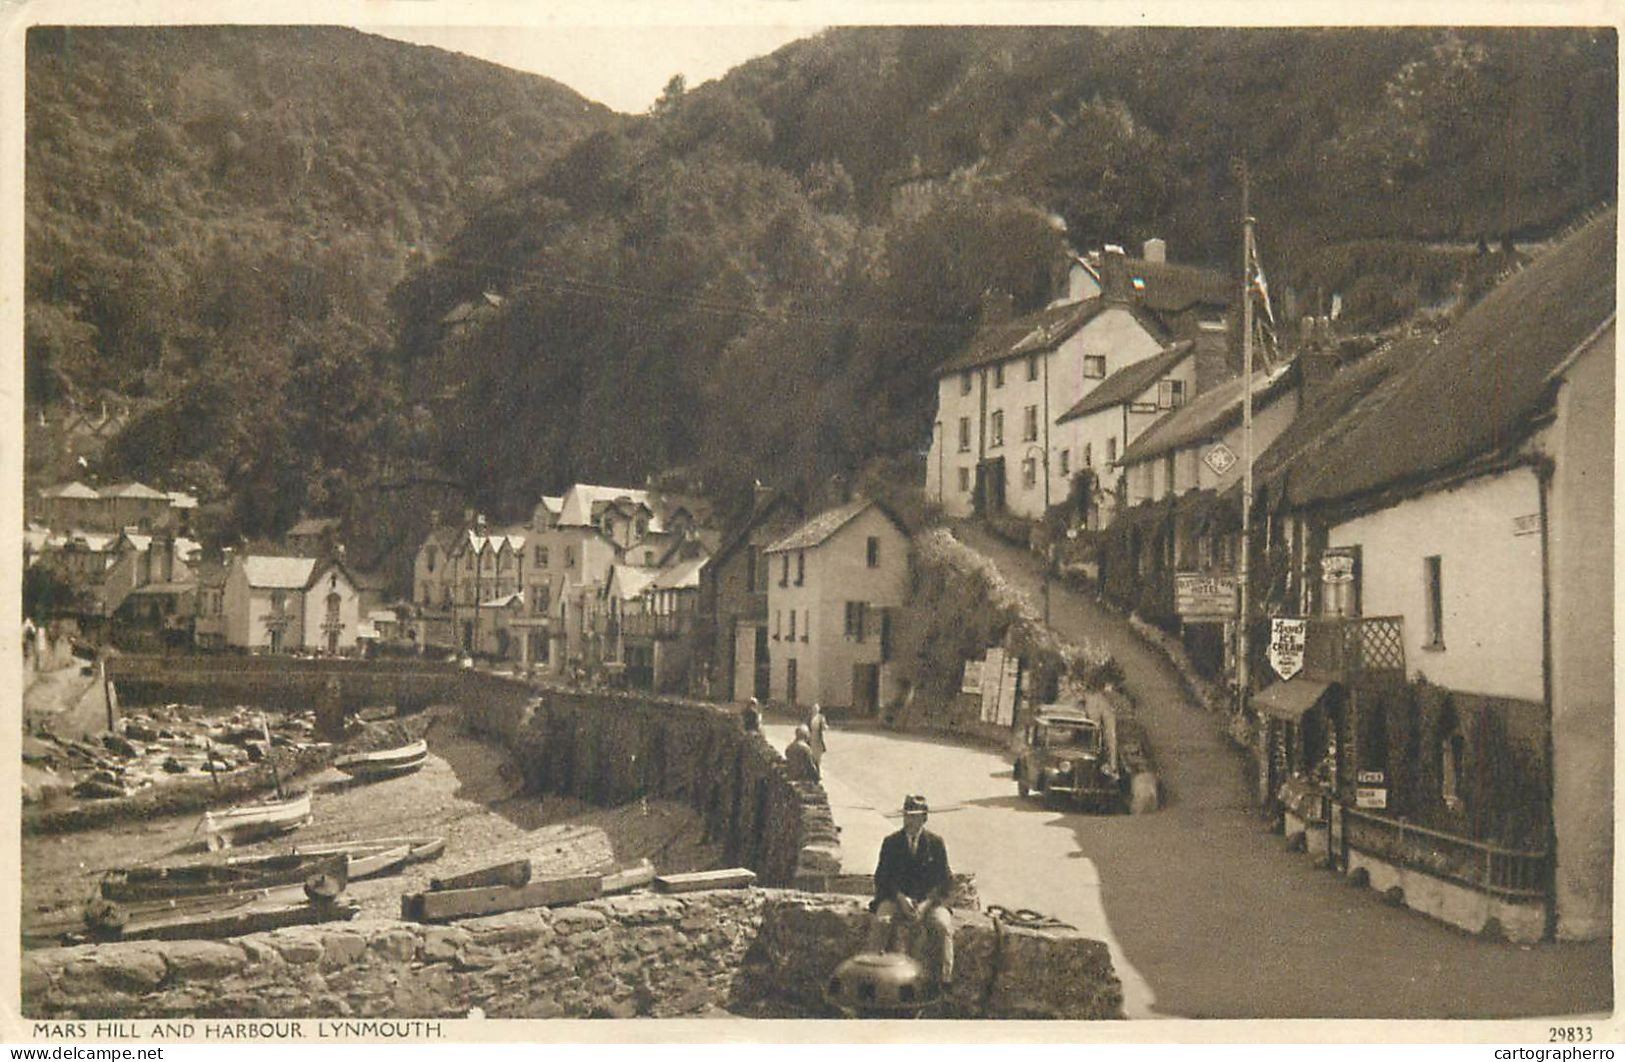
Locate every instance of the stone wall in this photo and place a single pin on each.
(757, 952)
(611, 747)
(280, 683)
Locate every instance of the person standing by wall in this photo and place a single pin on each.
(751, 716)
(816, 725)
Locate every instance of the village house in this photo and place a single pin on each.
(630, 650)
(284, 604)
(151, 587)
(1449, 527)
(209, 619)
(75, 506)
(314, 536)
(993, 448)
(669, 621)
(833, 586)
(732, 625)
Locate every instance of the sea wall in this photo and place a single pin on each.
(612, 747)
(759, 952)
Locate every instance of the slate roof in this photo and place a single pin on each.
(278, 573)
(1208, 414)
(815, 531)
(504, 601)
(1171, 287)
(1128, 382)
(69, 490)
(584, 499)
(180, 499)
(679, 576)
(1474, 393)
(1042, 331)
(132, 490)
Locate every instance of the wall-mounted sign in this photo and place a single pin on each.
(1526, 525)
(1287, 637)
(973, 677)
(1371, 777)
(1199, 595)
(1220, 459)
(1337, 566)
(1365, 797)
(1142, 407)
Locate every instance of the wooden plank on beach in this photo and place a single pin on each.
(735, 878)
(515, 873)
(634, 877)
(240, 923)
(472, 903)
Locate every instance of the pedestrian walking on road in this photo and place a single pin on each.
(911, 888)
(816, 725)
(799, 755)
(751, 717)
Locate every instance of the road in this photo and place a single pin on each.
(1211, 916)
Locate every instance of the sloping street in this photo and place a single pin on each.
(1213, 917)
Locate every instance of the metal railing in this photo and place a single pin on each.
(1518, 874)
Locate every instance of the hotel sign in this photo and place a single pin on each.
(1202, 596)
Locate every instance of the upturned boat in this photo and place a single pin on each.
(180, 880)
(385, 763)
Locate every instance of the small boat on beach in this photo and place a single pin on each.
(385, 763)
(247, 822)
(179, 880)
(361, 853)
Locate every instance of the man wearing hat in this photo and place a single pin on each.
(911, 884)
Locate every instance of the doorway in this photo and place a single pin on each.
(790, 681)
(865, 688)
(764, 667)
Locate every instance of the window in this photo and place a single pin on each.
(429, 558)
(1032, 366)
(872, 551)
(1111, 450)
(964, 435)
(1094, 366)
(1170, 394)
(777, 616)
(792, 631)
(1029, 472)
(541, 556)
(1029, 424)
(996, 429)
(784, 572)
(854, 620)
(964, 481)
(964, 382)
(279, 600)
(333, 607)
(761, 571)
(569, 556)
(1066, 462)
(539, 599)
(998, 375)
(1433, 574)
(801, 577)
(750, 569)
(504, 561)
(1088, 455)
(885, 635)
(806, 626)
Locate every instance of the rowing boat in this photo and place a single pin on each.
(385, 763)
(223, 829)
(419, 849)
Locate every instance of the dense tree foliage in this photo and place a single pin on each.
(756, 278)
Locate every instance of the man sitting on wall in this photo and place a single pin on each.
(799, 756)
(911, 887)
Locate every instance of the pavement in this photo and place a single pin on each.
(1206, 913)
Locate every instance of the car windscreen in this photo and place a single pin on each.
(1056, 736)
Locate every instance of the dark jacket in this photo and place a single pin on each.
(803, 767)
(920, 876)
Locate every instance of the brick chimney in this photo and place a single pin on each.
(1156, 250)
(1114, 278)
(1212, 353)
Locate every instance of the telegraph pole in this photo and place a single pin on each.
(1242, 564)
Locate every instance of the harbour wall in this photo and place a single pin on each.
(755, 952)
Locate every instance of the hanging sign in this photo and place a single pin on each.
(1286, 645)
(1365, 797)
(1337, 566)
(1220, 459)
(1198, 595)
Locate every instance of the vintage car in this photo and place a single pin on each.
(1071, 751)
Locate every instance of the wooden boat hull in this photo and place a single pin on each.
(376, 864)
(202, 879)
(223, 829)
(386, 763)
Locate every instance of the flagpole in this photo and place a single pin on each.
(1242, 639)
